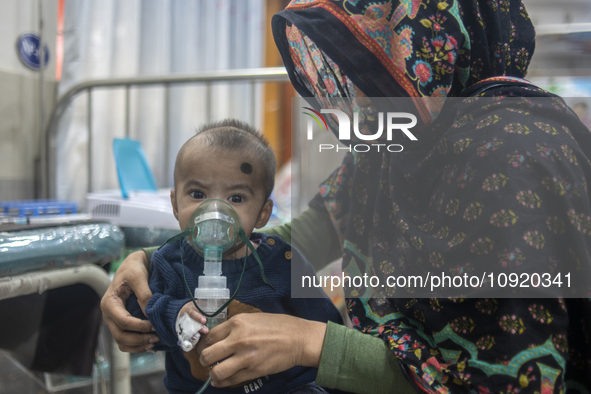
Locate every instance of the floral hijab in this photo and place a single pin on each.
(406, 48)
(506, 186)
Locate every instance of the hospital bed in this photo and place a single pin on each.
(51, 282)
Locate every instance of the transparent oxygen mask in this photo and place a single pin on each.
(215, 226)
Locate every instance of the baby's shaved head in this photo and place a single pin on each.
(234, 135)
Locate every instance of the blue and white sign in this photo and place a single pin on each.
(28, 50)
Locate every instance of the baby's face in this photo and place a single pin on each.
(207, 173)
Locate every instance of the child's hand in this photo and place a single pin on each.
(195, 315)
(189, 324)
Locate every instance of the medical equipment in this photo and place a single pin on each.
(214, 229)
(187, 331)
(140, 209)
(138, 204)
(36, 208)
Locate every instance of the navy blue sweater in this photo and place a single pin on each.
(170, 294)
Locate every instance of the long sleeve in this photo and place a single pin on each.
(312, 302)
(149, 252)
(133, 307)
(168, 297)
(162, 311)
(359, 363)
(313, 234)
(351, 361)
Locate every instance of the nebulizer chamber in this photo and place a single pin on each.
(215, 225)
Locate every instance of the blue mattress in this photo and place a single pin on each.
(38, 249)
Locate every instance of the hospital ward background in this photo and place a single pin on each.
(96, 99)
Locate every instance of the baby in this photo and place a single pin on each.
(229, 161)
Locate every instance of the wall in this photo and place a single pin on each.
(556, 54)
(19, 98)
(132, 38)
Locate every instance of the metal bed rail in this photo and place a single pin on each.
(91, 275)
(48, 151)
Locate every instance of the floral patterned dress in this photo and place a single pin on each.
(505, 185)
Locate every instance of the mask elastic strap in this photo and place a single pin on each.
(245, 239)
(175, 238)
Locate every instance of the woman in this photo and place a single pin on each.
(447, 203)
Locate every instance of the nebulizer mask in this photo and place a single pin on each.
(213, 229)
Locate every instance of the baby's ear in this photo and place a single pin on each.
(265, 214)
(175, 209)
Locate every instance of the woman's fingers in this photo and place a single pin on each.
(212, 351)
(125, 328)
(213, 336)
(139, 286)
(252, 345)
(237, 364)
(131, 342)
(128, 323)
(217, 334)
(113, 308)
(227, 373)
(130, 278)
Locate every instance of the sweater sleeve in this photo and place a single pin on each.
(162, 311)
(163, 308)
(313, 234)
(359, 363)
(133, 307)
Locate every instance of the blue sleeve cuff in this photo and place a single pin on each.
(162, 311)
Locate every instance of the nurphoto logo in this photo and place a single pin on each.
(344, 135)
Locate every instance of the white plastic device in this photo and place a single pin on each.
(212, 291)
(141, 209)
(187, 331)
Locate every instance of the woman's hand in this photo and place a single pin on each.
(131, 277)
(252, 345)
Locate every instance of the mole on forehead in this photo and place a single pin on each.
(246, 168)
